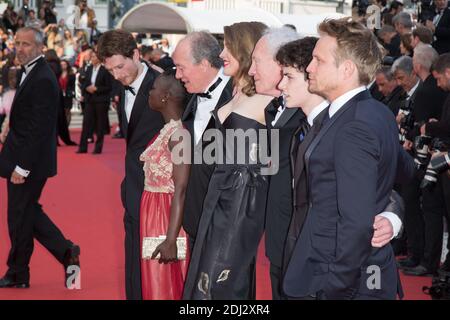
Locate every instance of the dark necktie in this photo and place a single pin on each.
(207, 94)
(131, 89)
(304, 129)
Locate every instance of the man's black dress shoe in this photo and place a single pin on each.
(71, 258)
(6, 282)
(407, 263)
(96, 152)
(419, 271)
(71, 143)
(118, 135)
(81, 151)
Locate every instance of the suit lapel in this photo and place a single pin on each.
(38, 65)
(287, 114)
(323, 130)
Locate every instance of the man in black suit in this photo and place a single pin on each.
(203, 77)
(440, 26)
(97, 94)
(350, 173)
(267, 74)
(31, 148)
(392, 93)
(118, 50)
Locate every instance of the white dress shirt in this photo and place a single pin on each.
(94, 74)
(413, 89)
(205, 106)
(334, 107)
(28, 67)
(315, 111)
(129, 97)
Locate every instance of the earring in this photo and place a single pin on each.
(163, 100)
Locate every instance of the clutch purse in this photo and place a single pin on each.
(149, 245)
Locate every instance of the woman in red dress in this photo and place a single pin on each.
(163, 263)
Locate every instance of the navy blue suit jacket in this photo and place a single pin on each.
(351, 167)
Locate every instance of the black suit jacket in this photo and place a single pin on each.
(200, 173)
(31, 141)
(442, 33)
(441, 129)
(144, 124)
(279, 199)
(351, 167)
(103, 82)
(395, 100)
(428, 101)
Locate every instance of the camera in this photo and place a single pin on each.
(422, 148)
(407, 122)
(436, 166)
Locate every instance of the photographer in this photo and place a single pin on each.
(437, 199)
(424, 102)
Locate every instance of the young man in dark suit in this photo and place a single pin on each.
(203, 77)
(31, 149)
(118, 51)
(351, 165)
(97, 93)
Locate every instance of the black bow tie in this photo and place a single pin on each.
(24, 68)
(131, 89)
(207, 94)
(273, 108)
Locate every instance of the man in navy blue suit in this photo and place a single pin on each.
(351, 167)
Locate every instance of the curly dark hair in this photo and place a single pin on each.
(297, 54)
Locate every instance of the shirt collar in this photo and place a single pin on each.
(218, 75)
(411, 92)
(136, 84)
(343, 99)
(30, 65)
(316, 110)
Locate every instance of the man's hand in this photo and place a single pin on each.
(429, 24)
(91, 89)
(383, 232)
(422, 130)
(407, 145)
(399, 117)
(17, 178)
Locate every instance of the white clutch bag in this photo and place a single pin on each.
(149, 245)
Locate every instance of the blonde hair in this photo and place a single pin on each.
(356, 43)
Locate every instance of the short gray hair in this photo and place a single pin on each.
(425, 55)
(385, 30)
(404, 19)
(38, 35)
(277, 37)
(387, 72)
(204, 46)
(404, 63)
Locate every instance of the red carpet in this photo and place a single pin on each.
(84, 201)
